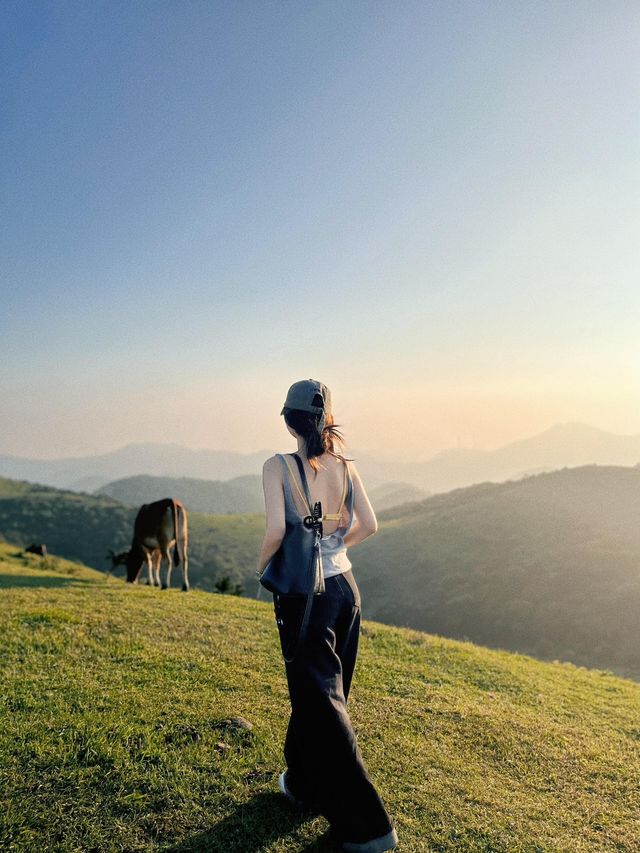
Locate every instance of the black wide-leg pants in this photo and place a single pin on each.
(324, 763)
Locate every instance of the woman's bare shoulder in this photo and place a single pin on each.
(353, 470)
(271, 463)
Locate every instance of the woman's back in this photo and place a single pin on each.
(329, 485)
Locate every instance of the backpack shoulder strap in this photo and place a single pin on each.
(285, 480)
(303, 478)
(291, 479)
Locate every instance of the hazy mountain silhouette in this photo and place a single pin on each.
(87, 473)
(562, 445)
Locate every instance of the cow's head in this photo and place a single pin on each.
(134, 564)
(119, 559)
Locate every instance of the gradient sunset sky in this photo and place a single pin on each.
(432, 207)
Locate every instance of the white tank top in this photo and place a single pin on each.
(332, 548)
(334, 555)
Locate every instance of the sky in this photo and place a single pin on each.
(431, 207)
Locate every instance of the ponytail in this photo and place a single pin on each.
(319, 432)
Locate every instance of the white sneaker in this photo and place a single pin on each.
(287, 792)
(300, 804)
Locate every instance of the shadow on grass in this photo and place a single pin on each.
(261, 821)
(7, 580)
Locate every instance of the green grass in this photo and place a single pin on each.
(112, 732)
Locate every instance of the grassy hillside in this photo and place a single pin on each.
(242, 494)
(84, 528)
(548, 565)
(113, 733)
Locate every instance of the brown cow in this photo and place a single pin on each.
(155, 531)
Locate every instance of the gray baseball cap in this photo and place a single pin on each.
(301, 394)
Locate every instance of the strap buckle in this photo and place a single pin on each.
(314, 521)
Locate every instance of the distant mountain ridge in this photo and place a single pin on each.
(566, 445)
(241, 494)
(163, 460)
(562, 445)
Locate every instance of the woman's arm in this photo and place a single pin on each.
(365, 522)
(274, 510)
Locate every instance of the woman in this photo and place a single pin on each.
(325, 771)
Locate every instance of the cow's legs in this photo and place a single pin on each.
(167, 580)
(185, 571)
(147, 556)
(157, 560)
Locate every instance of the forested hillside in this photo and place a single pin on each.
(242, 494)
(548, 565)
(85, 527)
